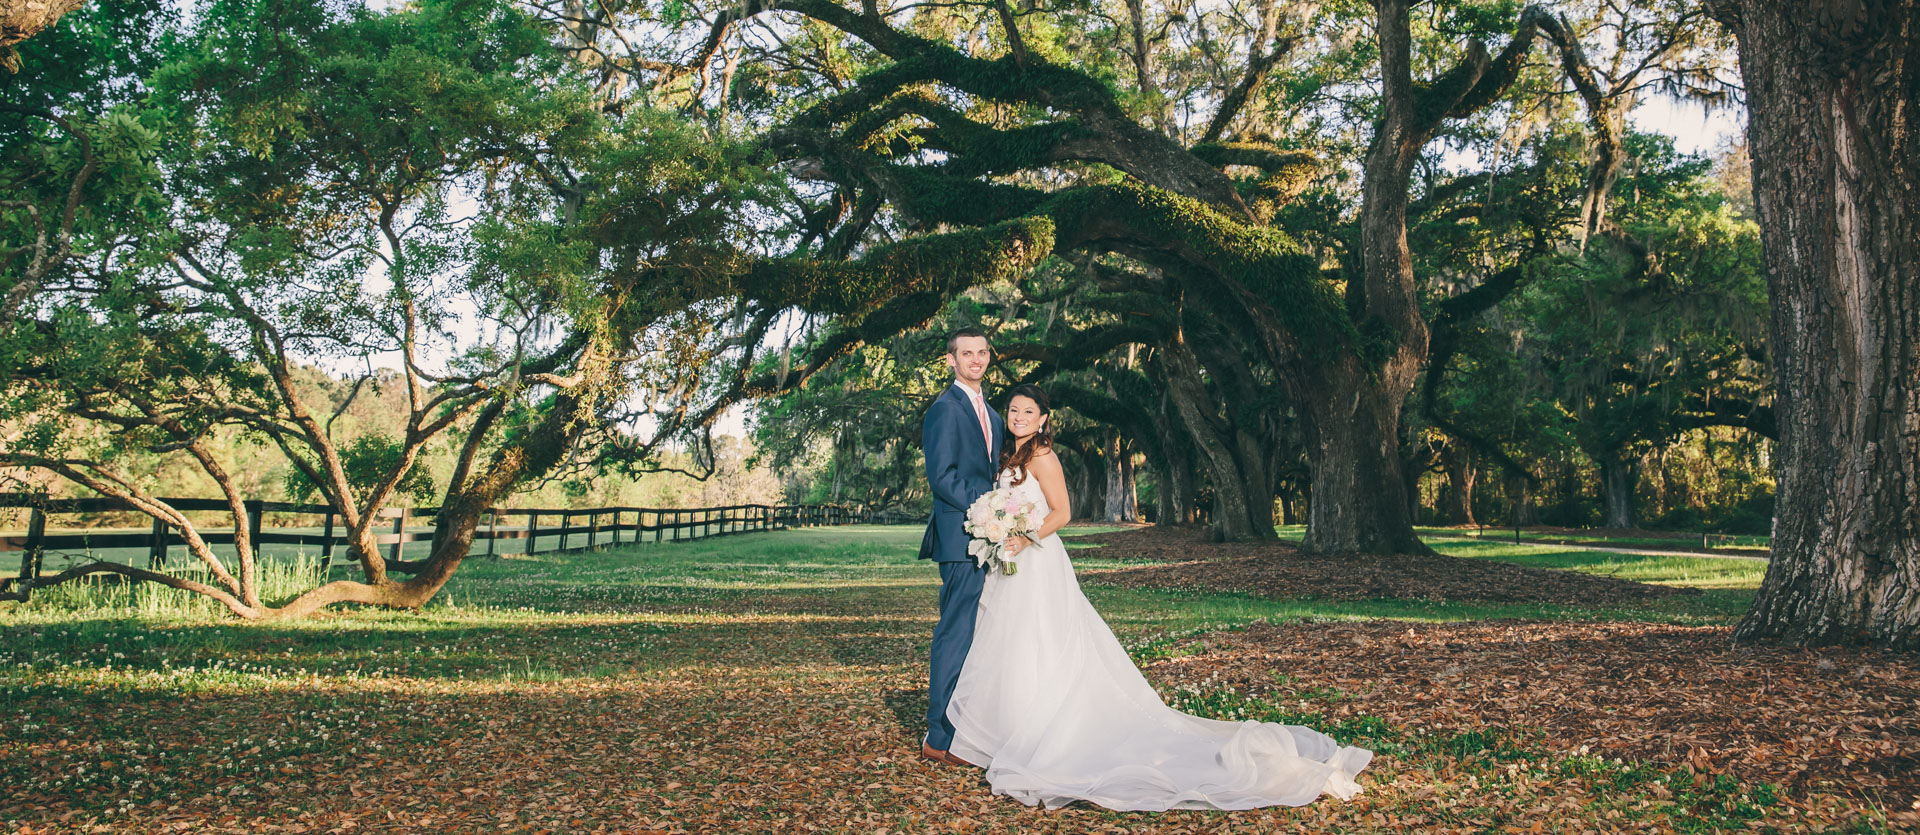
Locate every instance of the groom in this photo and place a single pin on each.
(961, 438)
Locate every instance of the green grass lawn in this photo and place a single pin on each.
(1724, 541)
(1429, 532)
(752, 683)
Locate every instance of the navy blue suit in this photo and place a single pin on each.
(960, 468)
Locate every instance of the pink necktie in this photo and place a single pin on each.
(986, 432)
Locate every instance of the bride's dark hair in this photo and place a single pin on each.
(1016, 455)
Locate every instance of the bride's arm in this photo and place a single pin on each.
(1045, 469)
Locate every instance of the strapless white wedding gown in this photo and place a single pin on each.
(1056, 711)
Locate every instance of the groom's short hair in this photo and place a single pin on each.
(953, 339)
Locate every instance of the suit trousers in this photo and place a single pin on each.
(960, 585)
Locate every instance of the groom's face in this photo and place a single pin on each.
(969, 359)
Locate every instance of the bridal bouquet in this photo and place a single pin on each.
(993, 519)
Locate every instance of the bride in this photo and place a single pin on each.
(1050, 704)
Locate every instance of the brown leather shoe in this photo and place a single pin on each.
(933, 753)
(957, 761)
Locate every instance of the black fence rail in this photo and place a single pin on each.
(602, 527)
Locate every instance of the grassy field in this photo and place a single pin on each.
(1661, 540)
(764, 682)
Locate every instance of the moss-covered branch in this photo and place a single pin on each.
(1104, 131)
(1245, 263)
(941, 264)
(1284, 174)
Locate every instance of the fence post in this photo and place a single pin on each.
(30, 558)
(566, 532)
(253, 526)
(593, 530)
(326, 540)
(399, 536)
(493, 531)
(533, 533)
(659, 526)
(157, 546)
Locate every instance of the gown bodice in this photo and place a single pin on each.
(1030, 490)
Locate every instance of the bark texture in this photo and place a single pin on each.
(1832, 89)
(1620, 476)
(22, 19)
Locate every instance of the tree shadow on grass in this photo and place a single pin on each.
(908, 706)
(119, 654)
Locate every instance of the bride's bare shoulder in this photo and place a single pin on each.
(1044, 461)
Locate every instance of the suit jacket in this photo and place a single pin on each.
(960, 468)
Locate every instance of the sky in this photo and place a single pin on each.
(1695, 130)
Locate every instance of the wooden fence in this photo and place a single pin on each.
(602, 527)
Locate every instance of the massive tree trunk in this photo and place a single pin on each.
(1836, 182)
(1619, 479)
(1359, 498)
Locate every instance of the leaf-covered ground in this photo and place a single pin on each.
(1276, 569)
(774, 683)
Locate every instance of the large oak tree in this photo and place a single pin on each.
(1832, 88)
